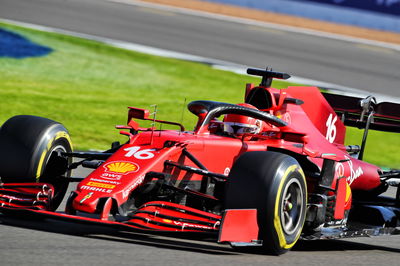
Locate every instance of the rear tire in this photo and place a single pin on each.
(29, 146)
(274, 184)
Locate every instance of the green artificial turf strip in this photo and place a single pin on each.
(88, 86)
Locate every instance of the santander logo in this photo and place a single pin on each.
(353, 173)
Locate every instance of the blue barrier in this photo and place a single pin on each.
(16, 46)
(383, 6)
(337, 11)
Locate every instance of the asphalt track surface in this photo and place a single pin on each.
(360, 66)
(49, 242)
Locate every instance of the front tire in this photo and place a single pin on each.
(29, 153)
(274, 184)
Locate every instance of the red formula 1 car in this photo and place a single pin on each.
(274, 169)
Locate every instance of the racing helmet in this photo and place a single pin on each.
(235, 124)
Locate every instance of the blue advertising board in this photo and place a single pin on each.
(374, 14)
(383, 6)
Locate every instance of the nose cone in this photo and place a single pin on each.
(86, 201)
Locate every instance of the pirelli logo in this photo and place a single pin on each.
(101, 185)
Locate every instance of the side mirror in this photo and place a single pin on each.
(138, 113)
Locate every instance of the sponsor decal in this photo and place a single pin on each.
(127, 191)
(285, 117)
(227, 171)
(96, 189)
(105, 181)
(139, 154)
(339, 170)
(217, 223)
(102, 185)
(121, 168)
(190, 225)
(111, 176)
(337, 222)
(184, 225)
(88, 196)
(331, 128)
(354, 173)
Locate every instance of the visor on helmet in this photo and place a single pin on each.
(240, 128)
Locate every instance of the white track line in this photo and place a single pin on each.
(260, 23)
(218, 64)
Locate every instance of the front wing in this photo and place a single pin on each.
(238, 227)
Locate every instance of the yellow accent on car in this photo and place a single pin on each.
(121, 167)
(100, 185)
(59, 134)
(40, 165)
(63, 134)
(277, 220)
(348, 192)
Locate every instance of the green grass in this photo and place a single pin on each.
(382, 147)
(87, 86)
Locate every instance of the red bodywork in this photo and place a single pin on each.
(306, 134)
(146, 151)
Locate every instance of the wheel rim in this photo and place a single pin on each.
(292, 205)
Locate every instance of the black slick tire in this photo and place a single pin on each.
(28, 153)
(274, 184)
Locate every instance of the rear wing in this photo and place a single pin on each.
(366, 112)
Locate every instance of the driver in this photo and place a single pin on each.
(238, 125)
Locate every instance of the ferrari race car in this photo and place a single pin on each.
(264, 173)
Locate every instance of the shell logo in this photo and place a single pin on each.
(121, 167)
